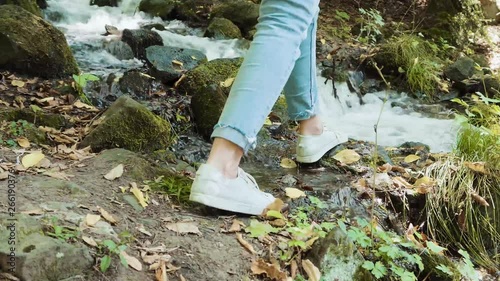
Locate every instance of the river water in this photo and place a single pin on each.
(83, 25)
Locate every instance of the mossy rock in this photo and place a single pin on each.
(140, 39)
(158, 8)
(130, 125)
(203, 83)
(50, 57)
(221, 28)
(104, 3)
(56, 121)
(243, 13)
(196, 12)
(29, 5)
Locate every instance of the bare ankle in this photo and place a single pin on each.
(225, 156)
(312, 126)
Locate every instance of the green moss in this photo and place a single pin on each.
(159, 8)
(49, 57)
(38, 119)
(29, 5)
(221, 28)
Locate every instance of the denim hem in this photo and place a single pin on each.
(235, 136)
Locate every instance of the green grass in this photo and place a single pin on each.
(176, 187)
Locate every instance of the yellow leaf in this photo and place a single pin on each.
(411, 158)
(139, 195)
(183, 227)
(288, 163)
(323, 41)
(32, 159)
(268, 122)
(91, 219)
(107, 216)
(89, 240)
(23, 142)
(329, 57)
(347, 156)
(424, 181)
(177, 62)
(312, 271)
(478, 167)
(17, 83)
(294, 193)
(115, 173)
(479, 199)
(228, 82)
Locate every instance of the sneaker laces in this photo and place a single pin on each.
(248, 178)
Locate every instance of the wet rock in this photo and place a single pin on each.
(221, 28)
(169, 63)
(243, 13)
(203, 83)
(39, 257)
(42, 4)
(130, 125)
(157, 26)
(491, 85)
(338, 258)
(158, 8)
(111, 30)
(120, 50)
(467, 86)
(135, 83)
(29, 5)
(191, 149)
(140, 39)
(461, 69)
(50, 57)
(491, 9)
(40, 118)
(104, 3)
(196, 12)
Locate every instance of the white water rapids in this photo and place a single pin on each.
(83, 25)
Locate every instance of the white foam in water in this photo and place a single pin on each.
(83, 25)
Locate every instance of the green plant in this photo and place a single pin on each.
(12, 130)
(371, 22)
(80, 83)
(177, 186)
(112, 249)
(343, 30)
(61, 232)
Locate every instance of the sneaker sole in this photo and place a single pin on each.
(315, 157)
(223, 204)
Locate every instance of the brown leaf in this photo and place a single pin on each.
(143, 230)
(311, 270)
(244, 243)
(185, 227)
(23, 142)
(236, 226)
(478, 167)
(294, 193)
(385, 168)
(161, 272)
(347, 156)
(270, 270)
(399, 182)
(461, 221)
(293, 268)
(277, 205)
(181, 278)
(480, 200)
(91, 219)
(4, 175)
(107, 216)
(133, 262)
(89, 240)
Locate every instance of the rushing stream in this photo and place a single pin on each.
(83, 26)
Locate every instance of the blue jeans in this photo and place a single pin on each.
(282, 56)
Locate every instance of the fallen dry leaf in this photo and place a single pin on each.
(143, 230)
(347, 156)
(23, 142)
(32, 159)
(139, 195)
(277, 205)
(270, 270)
(91, 219)
(17, 83)
(115, 173)
(184, 227)
(89, 240)
(478, 167)
(288, 163)
(294, 193)
(107, 216)
(228, 82)
(244, 243)
(385, 168)
(4, 175)
(133, 262)
(400, 182)
(480, 200)
(312, 271)
(151, 259)
(236, 226)
(424, 182)
(161, 272)
(411, 158)
(181, 278)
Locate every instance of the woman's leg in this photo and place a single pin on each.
(283, 26)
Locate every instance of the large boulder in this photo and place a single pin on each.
(135, 83)
(209, 85)
(461, 69)
(120, 50)
(491, 9)
(39, 257)
(196, 12)
(169, 63)
(243, 13)
(221, 28)
(158, 8)
(140, 39)
(104, 3)
(31, 45)
(130, 125)
(29, 5)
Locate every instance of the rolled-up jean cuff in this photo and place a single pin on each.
(235, 136)
(305, 114)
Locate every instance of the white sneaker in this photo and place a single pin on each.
(312, 147)
(240, 195)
